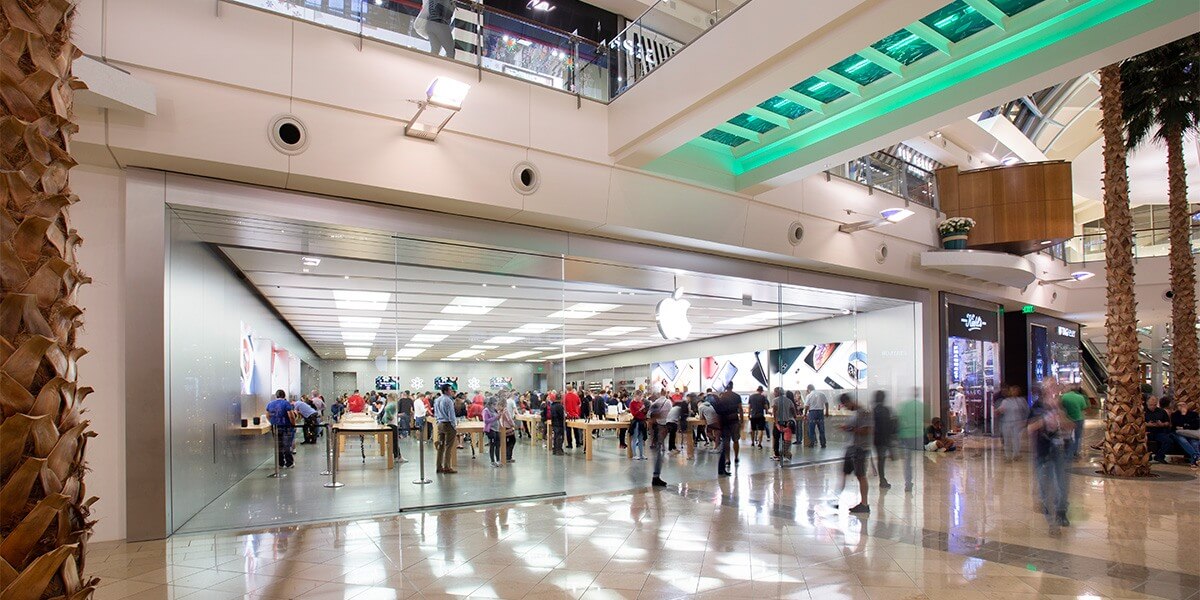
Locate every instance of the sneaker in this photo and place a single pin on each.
(860, 509)
(450, 471)
(723, 474)
(884, 484)
(657, 482)
(511, 461)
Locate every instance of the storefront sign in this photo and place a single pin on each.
(1066, 332)
(972, 323)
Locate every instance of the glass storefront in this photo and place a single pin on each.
(971, 364)
(258, 305)
(1041, 347)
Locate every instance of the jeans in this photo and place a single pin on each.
(285, 437)
(310, 429)
(447, 440)
(637, 438)
(816, 421)
(511, 442)
(1078, 441)
(395, 441)
(660, 435)
(1012, 433)
(493, 446)
(1191, 446)
(910, 446)
(881, 452)
(728, 432)
(559, 432)
(1164, 440)
(405, 424)
(1052, 479)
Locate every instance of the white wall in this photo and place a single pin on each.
(99, 220)
(406, 370)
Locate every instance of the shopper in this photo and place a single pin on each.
(509, 431)
(1014, 413)
(308, 414)
(637, 426)
(785, 425)
(283, 420)
(935, 437)
(491, 425)
(676, 415)
(1159, 431)
(405, 414)
(1074, 403)
(659, 412)
(757, 405)
(420, 411)
(557, 415)
(729, 410)
(447, 424)
(911, 418)
(859, 427)
(1052, 430)
(883, 426)
(1187, 432)
(815, 404)
(573, 405)
(355, 403)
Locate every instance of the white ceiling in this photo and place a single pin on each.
(525, 289)
(1147, 172)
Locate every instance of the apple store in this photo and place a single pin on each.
(268, 290)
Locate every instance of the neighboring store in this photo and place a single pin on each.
(1038, 347)
(971, 358)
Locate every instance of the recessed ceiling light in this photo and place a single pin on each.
(429, 337)
(358, 344)
(627, 343)
(545, 348)
(305, 270)
(516, 355)
(358, 352)
(471, 305)
(411, 345)
(484, 347)
(573, 341)
(595, 349)
(533, 360)
(611, 331)
(310, 261)
(359, 300)
(444, 325)
(359, 322)
(485, 285)
(465, 353)
(563, 355)
(757, 317)
(503, 339)
(451, 359)
(358, 336)
(582, 310)
(409, 352)
(536, 327)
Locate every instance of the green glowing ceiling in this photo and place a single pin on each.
(947, 47)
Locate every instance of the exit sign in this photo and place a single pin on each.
(1027, 309)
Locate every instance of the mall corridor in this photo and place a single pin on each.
(969, 531)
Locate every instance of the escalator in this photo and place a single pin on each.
(1095, 373)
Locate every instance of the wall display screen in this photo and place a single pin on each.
(501, 383)
(827, 366)
(438, 382)
(675, 374)
(1063, 354)
(746, 371)
(387, 383)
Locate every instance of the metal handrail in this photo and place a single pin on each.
(1059, 250)
(929, 182)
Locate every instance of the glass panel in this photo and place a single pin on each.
(904, 46)
(860, 70)
(819, 89)
(722, 137)
(596, 79)
(752, 123)
(957, 21)
(784, 108)
(1012, 7)
(527, 51)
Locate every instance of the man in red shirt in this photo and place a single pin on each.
(355, 403)
(572, 404)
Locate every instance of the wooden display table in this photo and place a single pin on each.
(595, 425)
(382, 433)
(260, 429)
(534, 426)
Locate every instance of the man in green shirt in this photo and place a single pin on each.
(911, 417)
(1074, 403)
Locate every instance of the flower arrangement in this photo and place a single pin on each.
(956, 226)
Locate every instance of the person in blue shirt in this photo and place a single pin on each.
(282, 417)
(309, 414)
(447, 424)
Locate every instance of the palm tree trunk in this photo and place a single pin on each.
(1125, 426)
(44, 508)
(1185, 357)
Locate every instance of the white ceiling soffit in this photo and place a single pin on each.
(992, 267)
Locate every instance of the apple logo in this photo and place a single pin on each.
(672, 318)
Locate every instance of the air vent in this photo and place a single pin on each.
(288, 134)
(795, 233)
(881, 254)
(526, 178)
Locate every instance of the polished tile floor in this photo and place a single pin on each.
(967, 532)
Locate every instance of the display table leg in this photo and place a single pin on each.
(629, 442)
(391, 452)
(503, 445)
(691, 443)
(587, 444)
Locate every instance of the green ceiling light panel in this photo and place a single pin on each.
(752, 123)
(860, 70)
(931, 36)
(957, 21)
(1014, 7)
(821, 91)
(784, 108)
(725, 139)
(904, 46)
(990, 12)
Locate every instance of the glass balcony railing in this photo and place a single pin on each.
(1147, 243)
(891, 174)
(497, 41)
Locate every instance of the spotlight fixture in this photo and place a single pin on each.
(540, 5)
(1076, 276)
(443, 97)
(887, 216)
(310, 261)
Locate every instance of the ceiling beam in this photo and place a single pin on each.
(930, 36)
(741, 132)
(806, 101)
(990, 12)
(883, 60)
(841, 81)
(770, 117)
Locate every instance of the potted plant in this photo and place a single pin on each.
(954, 232)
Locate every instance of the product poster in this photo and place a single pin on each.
(438, 382)
(246, 359)
(675, 375)
(387, 383)
(828, 366)
(501, 383)
(747, 371)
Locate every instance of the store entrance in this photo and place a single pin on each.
(972, 364)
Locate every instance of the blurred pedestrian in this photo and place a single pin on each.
(1052, 430)
(884, 430)
(1014, 413)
